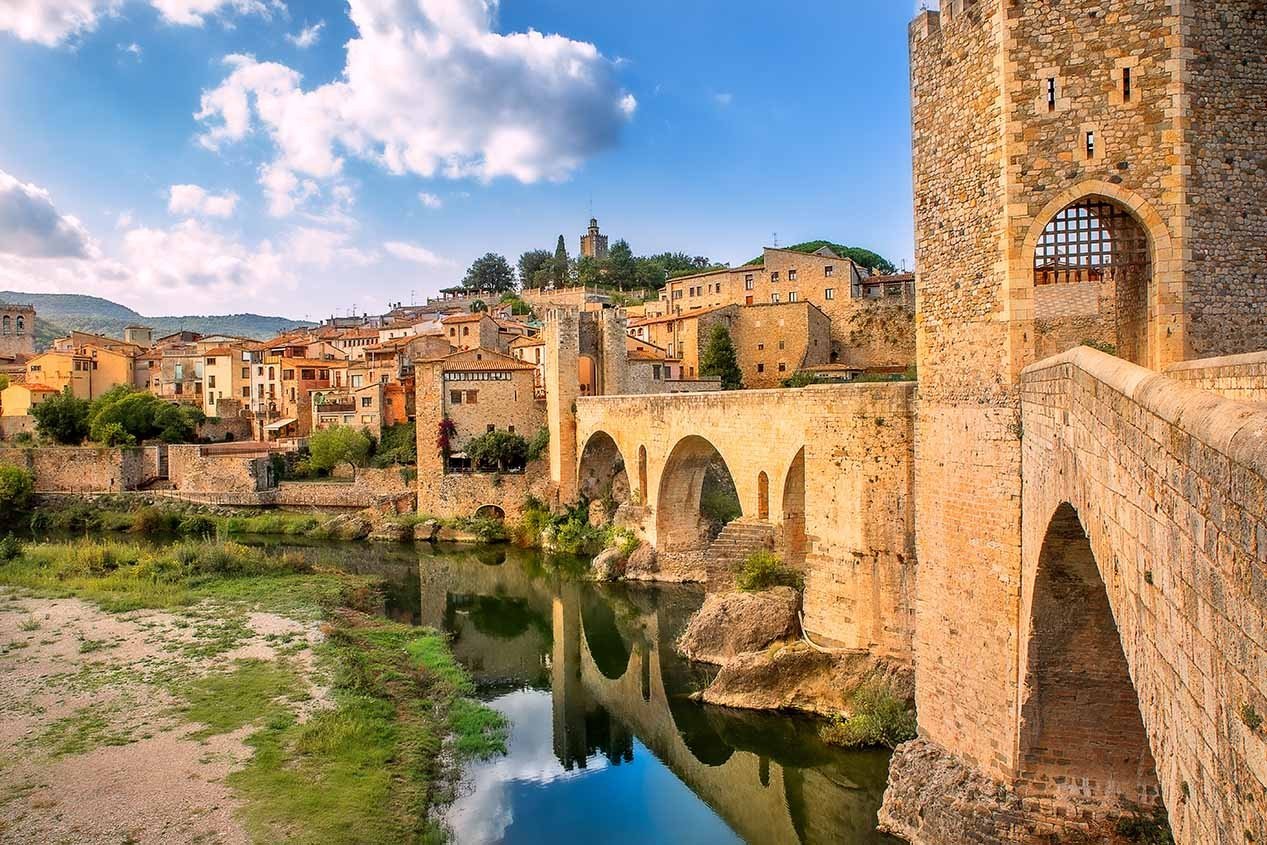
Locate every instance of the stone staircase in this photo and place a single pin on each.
(736, 541)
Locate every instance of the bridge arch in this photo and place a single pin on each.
(693, 465)
(601, 471)
(795, 543)
(1098, 267)
(1081, 734)
(763, 495)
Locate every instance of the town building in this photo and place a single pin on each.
(19, 398)
(89, 371)
(17, 332)
(361, 407)
(594, 242)
(471, 331)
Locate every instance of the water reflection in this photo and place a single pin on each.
(606, 744)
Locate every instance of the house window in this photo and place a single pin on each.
(1051, 93)
(288, 375)
(774, 299)
(466, 330)
(211, 381)
(211, 362)
(246, 372)
(761, 368)
(246, 393)
(455, 397)
(829, 293)
(180, 388)
(453, 332)
(180, 372)
(829, 271)
(791, 275)
(760, 346)
(748, 282)
(1126, 89)
(511, 429)
(366, 401)
(782, 367)
(471, 396)
(491, 428)
(793, 296)
(271, 374)
(774, 277)
(780, 344)
(655, 372)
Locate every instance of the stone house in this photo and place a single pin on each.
(472, 331)
(358, 408)
(89, 371)
(227, 383)
(17, 400)
(773, 341)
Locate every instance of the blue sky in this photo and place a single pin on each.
(201, 156)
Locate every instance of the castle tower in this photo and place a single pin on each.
(17, 332)
(593, 243)
(1081, 172)
(562, 358)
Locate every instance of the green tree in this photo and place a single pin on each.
(719, 359)
(16, 488)
(517, 306)
(178, 423)
(498, 450)
(530, 263)
(124, 416)
(561, 264)
(337, 445)
(490, 272)
(479, 306)
(588, 271)
(622, 268)
(62, 419)
(4, 381)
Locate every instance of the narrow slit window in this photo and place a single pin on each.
(1090, 144)
(1051, 93)
(1126, 84)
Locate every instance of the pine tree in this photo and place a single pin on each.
(719, 360)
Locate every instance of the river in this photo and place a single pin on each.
(605, 743)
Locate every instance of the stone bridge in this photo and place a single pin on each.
(828, 469)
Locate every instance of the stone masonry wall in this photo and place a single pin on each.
(1170, 485)
(192, 470)
(458, 495)
(1233, 376)
(67, 469)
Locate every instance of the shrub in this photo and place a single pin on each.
(538, 445)
(763, 570)
(399, 445)
(1146, 829)
(62, 419)
(154, 521)
(879, 718)
(10, 548)
(623, 540)
(719, 360)
(198, 525)
(340, 444)
(113, 434)
(805, 380)
(1106, 348)
(16, 488)
(488, 530)
(498, 450)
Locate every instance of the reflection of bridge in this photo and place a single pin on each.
(614, 675)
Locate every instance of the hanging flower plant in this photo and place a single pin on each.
(444, 436)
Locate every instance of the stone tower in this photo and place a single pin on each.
(17, 331)
(1081, 172)
(593, 243)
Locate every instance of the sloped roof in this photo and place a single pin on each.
(465, 318)
(480, 360)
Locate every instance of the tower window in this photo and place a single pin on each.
(1090, 144)
(1126, 84)
(1051, 93)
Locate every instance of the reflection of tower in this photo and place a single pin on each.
(594, 243)
(565, 679)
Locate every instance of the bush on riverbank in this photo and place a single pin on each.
(16, 488)
(764, 570)
(879, 718)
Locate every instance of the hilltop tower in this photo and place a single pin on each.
(17, 332)
(1082, 172)
(594, 243)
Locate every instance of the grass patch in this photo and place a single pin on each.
(1151, 829)
(764, 570)
(29, 624)
(82, 731)
(250, 691)
(879, 718)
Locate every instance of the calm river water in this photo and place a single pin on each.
(605, 744)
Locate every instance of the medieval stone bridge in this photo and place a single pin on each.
(1127, 651)
(828, 468)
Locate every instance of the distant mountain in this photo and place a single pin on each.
(59, 313)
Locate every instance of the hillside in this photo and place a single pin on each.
(862, 257)
(59, 313)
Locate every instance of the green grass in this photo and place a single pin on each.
(82, 731)
(252, 690)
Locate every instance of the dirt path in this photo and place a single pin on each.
(93, 748)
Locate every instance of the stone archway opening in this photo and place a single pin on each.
(795, 544)
(697, 497)
(642, 475)
(603, 478)
(763, 496)
(1082, 740)
(492, 512)
(1093, 278)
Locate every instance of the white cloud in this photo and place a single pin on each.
(308, 36)
(50, 22)
(32, 227)
(192, 200)
(325, 248)
(132, 49)
(417, 254)
(429, 89)
(53, 22)
(430, 200)
(191, 256)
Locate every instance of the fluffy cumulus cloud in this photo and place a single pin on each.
(32, 227)
(194, 201)
(52, 22)
(430, 200)
(308, 36)
(429, 88)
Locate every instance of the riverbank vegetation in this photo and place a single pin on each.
(355, 736)
(880, 718)
(764, 570)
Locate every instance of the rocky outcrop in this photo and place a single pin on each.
(609, 565)
(642, 564)
(730, 624)
(426, 532)
(800, 677)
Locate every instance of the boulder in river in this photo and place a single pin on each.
(730, 624)
(608, 566)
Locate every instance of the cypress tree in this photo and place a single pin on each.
(719, 359)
